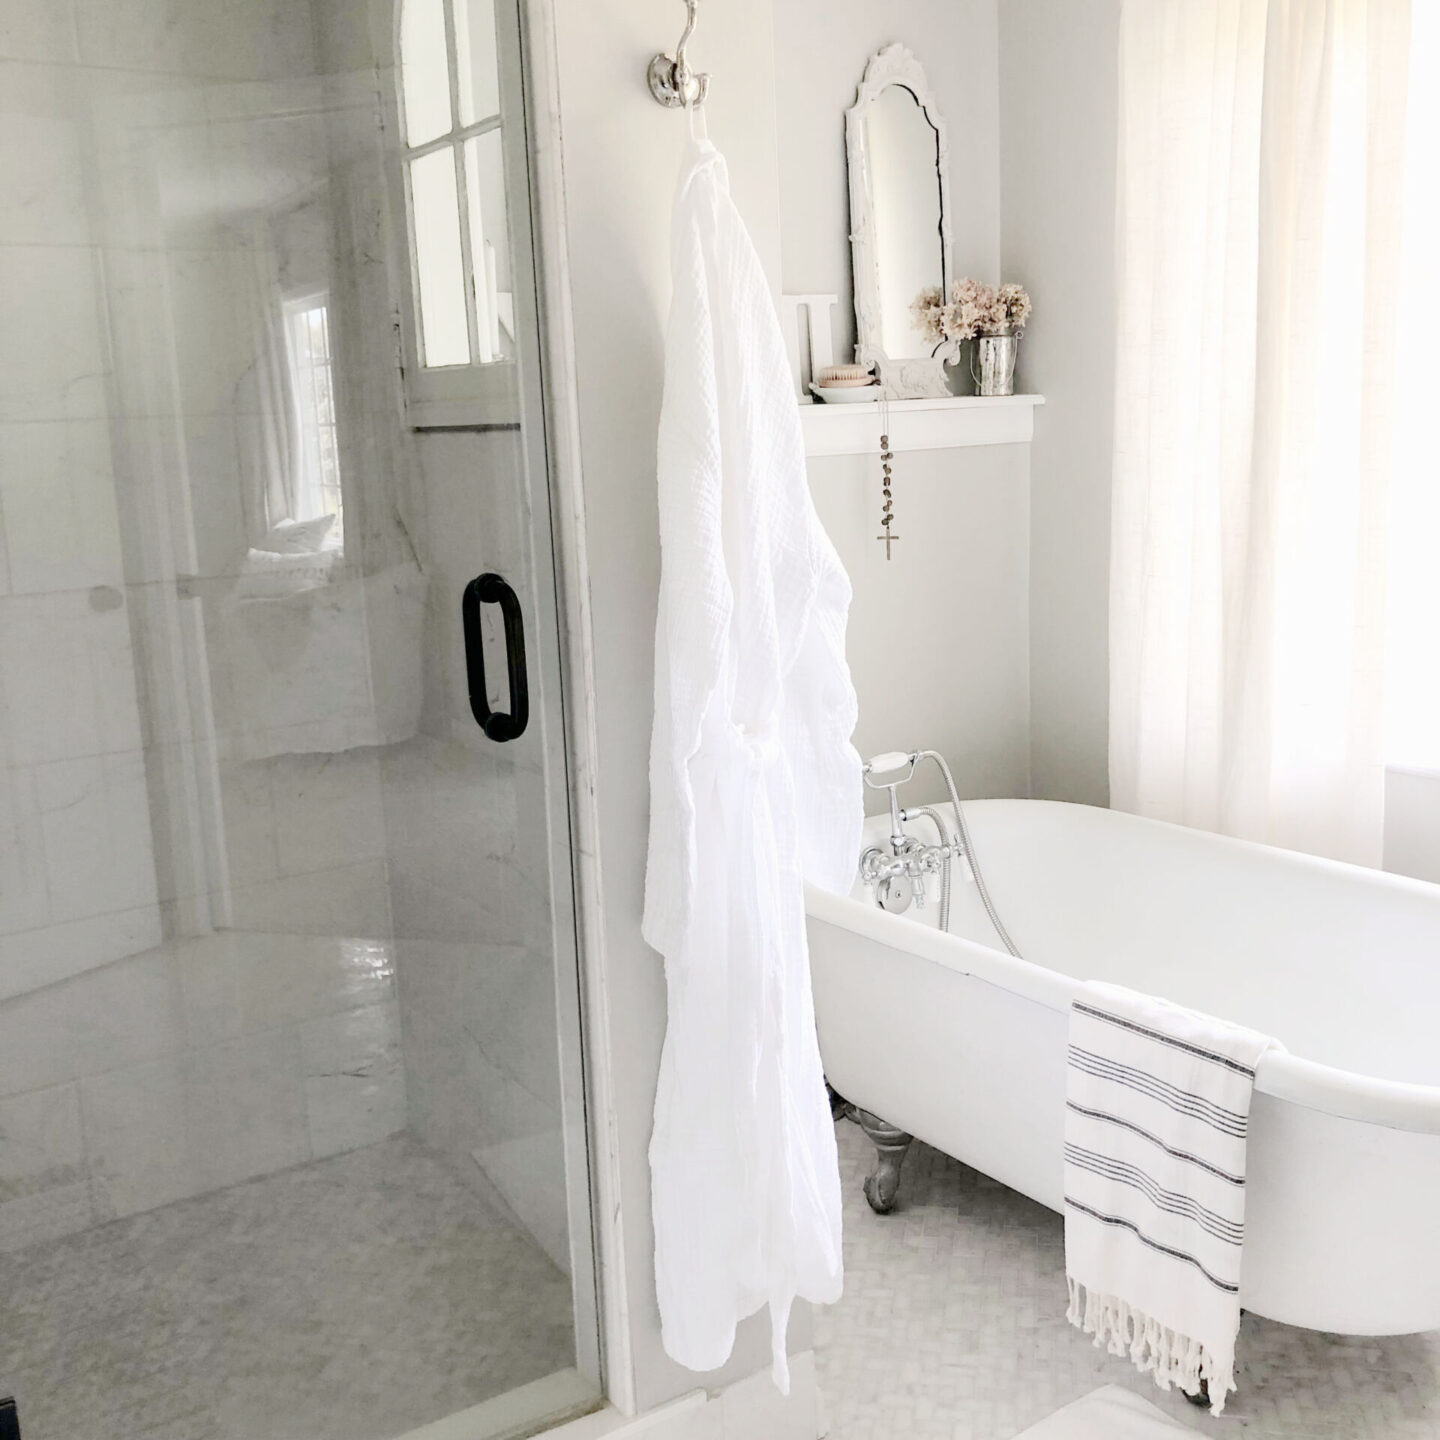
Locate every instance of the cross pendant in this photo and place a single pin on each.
(889, 540)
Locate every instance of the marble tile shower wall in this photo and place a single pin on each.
(190, 1067)
(91, 849)
(249, 200)
(464, 821)
(151, 152)
(464, 827)
(138, 143)
(77, 873)
(138, 138)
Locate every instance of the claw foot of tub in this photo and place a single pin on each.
(883, 1183)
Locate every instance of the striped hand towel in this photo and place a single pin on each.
(1157, 1108)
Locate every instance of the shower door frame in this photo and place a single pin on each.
(549, 372)
(553, 626)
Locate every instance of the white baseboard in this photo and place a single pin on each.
(750, 1409)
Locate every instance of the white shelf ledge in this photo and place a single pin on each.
(920, 424)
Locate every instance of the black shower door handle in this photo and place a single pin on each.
(497, 724)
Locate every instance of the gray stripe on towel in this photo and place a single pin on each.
(1144, 1239)
(1155, 1140)
(1228, 1232)
(1182, 1101)
(1164, 1039)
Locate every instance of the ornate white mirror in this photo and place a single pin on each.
(898, 155)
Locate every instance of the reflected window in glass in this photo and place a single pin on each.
(318, 490)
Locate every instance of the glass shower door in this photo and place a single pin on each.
(291, 1123)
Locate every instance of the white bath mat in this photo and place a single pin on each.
(1110, 1413)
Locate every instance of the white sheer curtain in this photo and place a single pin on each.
(1261, 200)
(1413, 629)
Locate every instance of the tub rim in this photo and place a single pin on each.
(1345, 1094)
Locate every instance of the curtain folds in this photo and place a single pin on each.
(1260, 200)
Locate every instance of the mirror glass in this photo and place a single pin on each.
(904, 167)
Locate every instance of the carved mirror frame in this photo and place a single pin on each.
(921, 377)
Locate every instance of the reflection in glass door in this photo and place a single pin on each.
(291, 1130)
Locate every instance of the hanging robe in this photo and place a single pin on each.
(755, 789)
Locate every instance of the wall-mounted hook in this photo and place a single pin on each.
(673, 82)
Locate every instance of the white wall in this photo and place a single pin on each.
(938, 639)
(1057, 159)
(938, 636)
(1412, 823)
(821, 47)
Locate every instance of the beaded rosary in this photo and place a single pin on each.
(886, 456)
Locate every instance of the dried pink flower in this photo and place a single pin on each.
(972, 308)
(970, 302)
(1010, 311)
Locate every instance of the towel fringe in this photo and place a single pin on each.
(1172, 1358)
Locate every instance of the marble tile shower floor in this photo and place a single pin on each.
(354, 1298)
(952, 1327)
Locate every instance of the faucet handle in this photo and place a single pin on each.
(894, 767)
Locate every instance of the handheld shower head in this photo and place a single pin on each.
(888, 764)
(888, 772)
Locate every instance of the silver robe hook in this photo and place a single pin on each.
(673, 82)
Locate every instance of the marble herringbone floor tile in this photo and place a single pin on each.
(953, 1327)
(352, 1299)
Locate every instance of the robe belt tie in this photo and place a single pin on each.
(761, 748)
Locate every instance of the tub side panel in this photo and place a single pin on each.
(966, 1066)
(1342, 1228)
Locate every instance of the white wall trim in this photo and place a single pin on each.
(920, 424)
(1412, 821)
(1425, 772)
(750, 1409)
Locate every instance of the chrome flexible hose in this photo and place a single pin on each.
(968, 849)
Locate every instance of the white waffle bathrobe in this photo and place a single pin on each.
(754, 789)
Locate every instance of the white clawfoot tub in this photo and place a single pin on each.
(950, 1039)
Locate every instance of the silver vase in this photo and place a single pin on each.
(992, 363)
